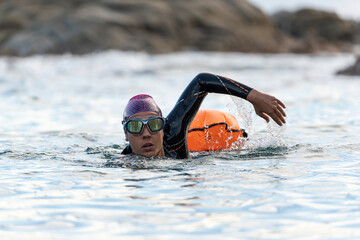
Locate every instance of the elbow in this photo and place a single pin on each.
(201, 77)
(204, 75)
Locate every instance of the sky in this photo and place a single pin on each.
(347, 9)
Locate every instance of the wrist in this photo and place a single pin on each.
(251, 97)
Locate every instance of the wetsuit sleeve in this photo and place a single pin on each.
(180, 118)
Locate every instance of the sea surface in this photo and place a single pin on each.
(61, 123)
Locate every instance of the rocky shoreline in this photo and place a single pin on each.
(29, 27)
(353, 70)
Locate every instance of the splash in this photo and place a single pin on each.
(272, 137)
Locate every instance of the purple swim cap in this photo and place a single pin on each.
(141, 103)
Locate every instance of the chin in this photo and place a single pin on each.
(148, 154)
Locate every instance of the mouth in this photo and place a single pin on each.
(148, 146)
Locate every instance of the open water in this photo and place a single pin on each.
(60, 123)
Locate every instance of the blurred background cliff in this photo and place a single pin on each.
(29, 27)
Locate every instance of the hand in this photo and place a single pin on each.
(266, 105)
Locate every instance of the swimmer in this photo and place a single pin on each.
(151, 135)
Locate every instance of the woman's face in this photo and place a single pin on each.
(146, 143)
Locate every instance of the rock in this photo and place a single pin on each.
(353, 70)
(30, 27)
(158, 26)
(318, 30)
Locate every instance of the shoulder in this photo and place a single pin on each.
(127, 150)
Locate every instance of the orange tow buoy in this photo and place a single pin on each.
(212, 130)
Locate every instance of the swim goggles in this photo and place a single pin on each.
(136, 126)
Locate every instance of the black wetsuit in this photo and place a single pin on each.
(180, 118)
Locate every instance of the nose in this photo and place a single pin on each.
(146, 133)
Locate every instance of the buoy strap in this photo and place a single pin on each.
(215, 124)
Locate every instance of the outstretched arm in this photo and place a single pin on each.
(179, 119)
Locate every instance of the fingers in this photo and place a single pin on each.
(277, 115)
(281, 111)
(281, 103)
(280, 120)
(264, 116)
